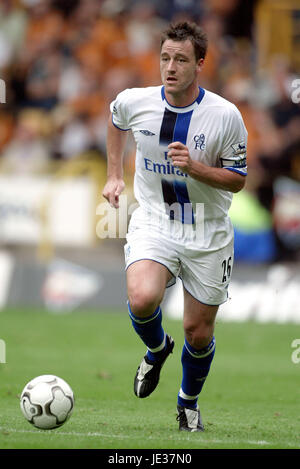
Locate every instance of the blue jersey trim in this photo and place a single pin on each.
(174, 127)
(124, 130)
(237, 171)
(182, 126)
(198, 99)
(167, 127)
(187, 214)
(175, 192)
(201, 95)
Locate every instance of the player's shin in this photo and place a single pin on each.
(195, 368)
(151, 332)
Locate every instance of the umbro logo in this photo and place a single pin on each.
(147, 133)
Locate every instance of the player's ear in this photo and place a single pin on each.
(200, 64)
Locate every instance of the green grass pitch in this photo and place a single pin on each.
(250, 399)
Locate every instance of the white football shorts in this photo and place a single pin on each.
(205, 273)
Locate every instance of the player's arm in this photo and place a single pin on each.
(220, 178)
(116, 141)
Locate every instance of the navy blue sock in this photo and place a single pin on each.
(195, 368)
(151, 332)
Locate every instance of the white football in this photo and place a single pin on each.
(47, 402)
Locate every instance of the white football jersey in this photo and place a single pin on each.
(213, 130)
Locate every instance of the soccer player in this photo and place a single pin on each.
(190, 158)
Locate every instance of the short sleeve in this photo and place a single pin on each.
(233, 154)
(120, 111)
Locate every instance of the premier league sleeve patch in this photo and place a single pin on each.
(237, 160)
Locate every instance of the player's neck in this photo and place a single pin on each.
(182, 99)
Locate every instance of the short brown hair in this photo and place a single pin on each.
(182, 32)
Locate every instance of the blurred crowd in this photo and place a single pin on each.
(63, 61)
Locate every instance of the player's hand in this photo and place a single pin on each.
(112, 190)
(180, 156)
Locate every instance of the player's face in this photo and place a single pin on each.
(179, 69)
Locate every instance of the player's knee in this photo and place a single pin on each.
(143, 302)
(199, 335)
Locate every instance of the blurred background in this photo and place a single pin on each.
(61, 64)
